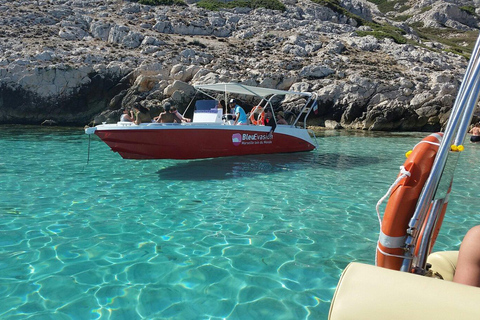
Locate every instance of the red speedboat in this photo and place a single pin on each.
(210, 134)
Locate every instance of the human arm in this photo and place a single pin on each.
(468, 265)
(181, 118)
(272, 123)
(137, 118)
(237, 116)
(176, 117)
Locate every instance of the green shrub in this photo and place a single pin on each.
(418, 24)
(469, 9)
(215, 5)
(382, 34)
(162, 2)
(212, 5)
(403, 18)
(458, 42)
(268, 4)
(335, 6)
(379, 31)
(425, 9)
(196, 43)
(385, 5)
(382, 31)
(328, 3)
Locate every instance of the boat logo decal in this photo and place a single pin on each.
(255, 138)
(236, 139)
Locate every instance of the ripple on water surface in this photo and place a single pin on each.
(238, 238)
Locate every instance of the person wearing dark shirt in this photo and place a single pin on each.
(221, 105)
(270, 120)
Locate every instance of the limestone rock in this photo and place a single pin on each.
(81, 60)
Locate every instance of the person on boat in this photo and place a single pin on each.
(475, 131)
(468, 264)
(178, 116)
(240, 115)
(126, 116)
(281, 118)
(142, 114)
(270, 120)
(166, 116)
(221, 105)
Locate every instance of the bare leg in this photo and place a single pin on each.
(468, 265)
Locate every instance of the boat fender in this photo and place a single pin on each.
(401, 205)
(261, 117)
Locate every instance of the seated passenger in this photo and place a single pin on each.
(166, 116)
(281, 118)
(221, 105)
(240, 115)
(269, 119)
(178, 116)
(126, 116)
(142, 114)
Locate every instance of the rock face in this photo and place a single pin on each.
(74, 62)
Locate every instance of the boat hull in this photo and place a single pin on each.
(181, 141)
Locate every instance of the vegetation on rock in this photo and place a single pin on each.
(457, 42)
(379, 31)
(97, 65)
(469, 9)
(382, 32)
(216, 5)
(162, 2)
(386, 6)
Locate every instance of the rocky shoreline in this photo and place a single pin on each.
(79, 62)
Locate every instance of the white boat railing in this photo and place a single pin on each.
(436, 189)
(266, 96)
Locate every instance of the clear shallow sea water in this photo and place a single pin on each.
(256, 237)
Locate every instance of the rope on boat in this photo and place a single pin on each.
(314, 138)
(434, 143)
(391, 255)
(403, 174)
(186, 109)
(88, 153)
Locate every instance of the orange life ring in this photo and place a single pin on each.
(402, 202)
(261, 117)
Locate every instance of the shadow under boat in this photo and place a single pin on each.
(254, 165)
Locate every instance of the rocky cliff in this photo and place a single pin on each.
(375, 65)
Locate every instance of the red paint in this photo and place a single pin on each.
(197, 143)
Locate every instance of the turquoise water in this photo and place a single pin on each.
(261, 237)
